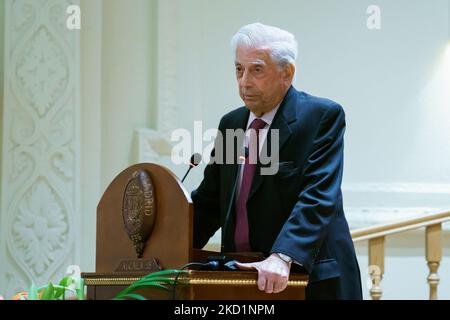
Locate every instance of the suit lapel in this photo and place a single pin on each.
(285, 115)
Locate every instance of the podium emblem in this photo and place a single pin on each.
(139, 209)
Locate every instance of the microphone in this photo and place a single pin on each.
(223, 262)
(195, 160)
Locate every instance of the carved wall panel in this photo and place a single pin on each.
(40, 165)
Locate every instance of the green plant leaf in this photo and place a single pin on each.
(66, 281)
(80, 289)
(147, 284)
(163, 273)
(133, 296)
(151, 282)
(59, 291)
(144, 285)
(33, 292)
(49, 292)
(156, 280)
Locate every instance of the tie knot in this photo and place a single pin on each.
(257, 124)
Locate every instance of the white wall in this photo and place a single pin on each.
(118, 95)
(390, 82)
(126, 79)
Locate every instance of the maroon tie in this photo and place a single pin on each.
(241, 238)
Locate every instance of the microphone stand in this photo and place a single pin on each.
(222, 259)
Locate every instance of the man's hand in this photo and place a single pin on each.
(273, 273)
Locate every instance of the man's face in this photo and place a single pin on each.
(262, 83)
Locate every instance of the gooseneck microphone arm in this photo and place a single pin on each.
(195, 160)
(223, 262)
(226, 223)
(185, 175)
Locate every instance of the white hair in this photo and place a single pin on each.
(281, 43)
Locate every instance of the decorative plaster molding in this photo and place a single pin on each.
(41, 137)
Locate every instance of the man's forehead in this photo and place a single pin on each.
(250, 61)
(249, 55)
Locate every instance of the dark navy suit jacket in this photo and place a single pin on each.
(298, 211)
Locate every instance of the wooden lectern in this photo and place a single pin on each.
(145, 224)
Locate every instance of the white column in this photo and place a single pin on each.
(167, 55)
(91, 121)
(127, 42)
(41, 141)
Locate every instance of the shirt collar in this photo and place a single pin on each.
(267, 117)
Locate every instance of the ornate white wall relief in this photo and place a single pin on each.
(40, 165)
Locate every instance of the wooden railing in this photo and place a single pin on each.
(433, 247)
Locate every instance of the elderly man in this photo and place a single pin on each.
(295, 216)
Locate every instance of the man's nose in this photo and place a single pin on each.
(245, 80)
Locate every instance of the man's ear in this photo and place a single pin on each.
(289, 71)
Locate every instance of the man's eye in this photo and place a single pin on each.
(258, 69)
